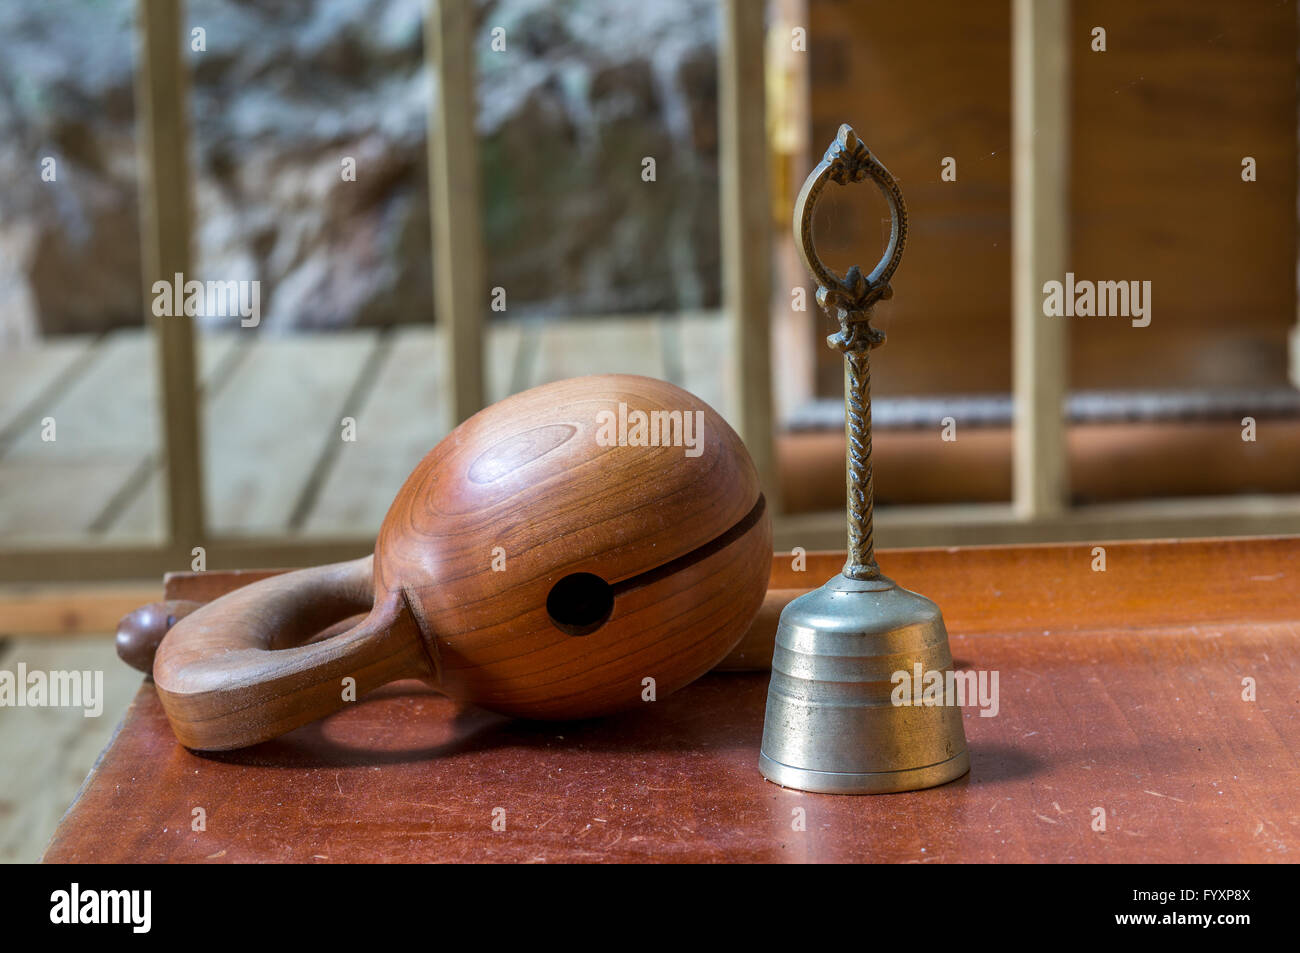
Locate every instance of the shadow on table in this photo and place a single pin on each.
(409, 723)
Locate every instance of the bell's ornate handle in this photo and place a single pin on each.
(849, 300)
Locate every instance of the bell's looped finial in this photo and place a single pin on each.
(849, 300)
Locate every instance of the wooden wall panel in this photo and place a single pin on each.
(1185, 89)
(919, 81)
(1160, 122)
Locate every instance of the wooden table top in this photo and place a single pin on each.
(1120, 690)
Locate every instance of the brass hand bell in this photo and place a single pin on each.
(831, 723)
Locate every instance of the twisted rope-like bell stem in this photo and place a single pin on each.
(861, 563)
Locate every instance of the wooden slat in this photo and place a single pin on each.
(271, 421)
(902, 526)
(505, 338)
(50, 750)
(746, 231)
(455, 198)
(106, 434)
(110, 409)
(206, 586)
(141, 514)
(1040, 210)
(403, 416)
(162, 91)
(28, 374)
(1294, 342)
(795, 347)
(61, 561)
(998, 523)
(77, 609)
(916, 466)
(1293, 337)
(628, 345)
(109, 412)
(55, 501)
(707, 360)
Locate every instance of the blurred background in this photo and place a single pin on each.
(587, 266)
(445, 203)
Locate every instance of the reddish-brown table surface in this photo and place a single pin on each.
(1120, 691)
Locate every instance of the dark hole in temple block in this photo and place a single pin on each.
(580, 603)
